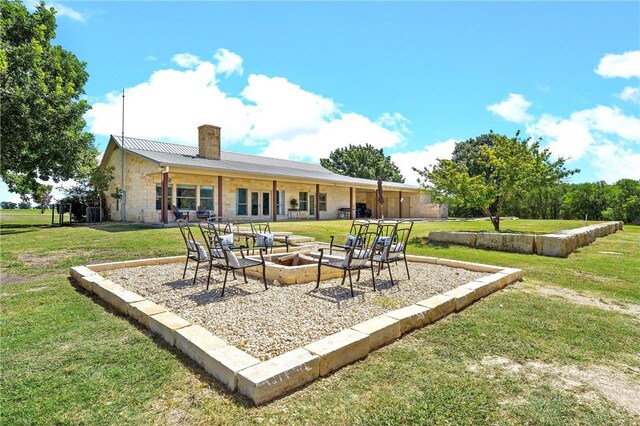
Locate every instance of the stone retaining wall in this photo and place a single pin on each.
(262, 381)
(558, 244)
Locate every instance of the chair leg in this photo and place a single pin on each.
(264, 275)
(209, 277)
(407, 266)
(244, 273)
(390, 276)
(351, 283)
(373, 278)
(318, 280)
(184, 273)
(196, 274)
(224, 284)
(358, 279)
(344, 275)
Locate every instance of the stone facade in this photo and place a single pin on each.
(143, 176)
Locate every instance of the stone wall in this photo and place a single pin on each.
(142, 176)
(558, 244)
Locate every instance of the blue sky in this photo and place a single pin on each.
(297, 80)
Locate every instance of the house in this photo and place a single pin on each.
(157, 175)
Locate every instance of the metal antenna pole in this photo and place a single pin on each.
(123, 195)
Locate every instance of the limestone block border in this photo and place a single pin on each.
(557, 244)
(263, 381)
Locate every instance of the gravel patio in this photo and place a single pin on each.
(284, 317)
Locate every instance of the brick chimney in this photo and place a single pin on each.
(209, 142)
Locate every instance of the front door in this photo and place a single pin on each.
(312, 206)
(266, 204)
(255, 203)
(261, 204)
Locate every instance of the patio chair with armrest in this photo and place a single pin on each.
(357, 226)
(202, 213)
(222, 255)
(262, 237)
(195, 250)
(355, 259)
(178, 213)
(394, 250)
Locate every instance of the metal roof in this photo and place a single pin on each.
(187, 156)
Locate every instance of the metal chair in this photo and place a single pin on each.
(195, 250)
(357, 227)
(356, 258)
(263, 237)
(393, 250)
(222, 255)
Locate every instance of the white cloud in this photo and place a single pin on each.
(604, 119)
(565, 138)
(630, 94)
(60, 10)
(68, 12)
(228, 62)
(331, 134)
(186, 60)
(421, 159)
(273, 113)
(150, 58)
(626, 65)
(613, 162)
(170, 106)
(514, 109)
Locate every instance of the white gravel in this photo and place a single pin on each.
(284, 317)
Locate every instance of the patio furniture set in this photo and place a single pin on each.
(370, 244)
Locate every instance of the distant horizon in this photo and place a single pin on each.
(299, 80)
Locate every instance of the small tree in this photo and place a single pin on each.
(8, 205)
(364, 162)
(493, 170)
(24, 205)
(42, 196)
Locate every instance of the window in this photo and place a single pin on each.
(322, 201)
(280, 202)
(159, 197)
(186, 197)
(303, 201)
(206, 197)
(241, 201)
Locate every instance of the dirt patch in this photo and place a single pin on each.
(33, 259)
(582, 299)
(6, 279)
(587, 383)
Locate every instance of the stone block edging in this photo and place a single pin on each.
(263, 381)
(557, 244)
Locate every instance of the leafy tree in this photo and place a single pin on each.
(89, 192)
(8, 205)
(42, 111)
(24, 205)
(623, 201)
(362, 161)
(491, 170)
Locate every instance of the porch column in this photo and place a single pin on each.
(164, 196)
(274, 202)
(351, 212)
(400, 203)
(219, 199)
(317, 201)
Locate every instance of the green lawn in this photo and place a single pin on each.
(516, 357)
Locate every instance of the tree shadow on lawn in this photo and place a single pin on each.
(222, 390)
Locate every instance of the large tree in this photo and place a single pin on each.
(41, 109)
(489, 171)
(362, 161)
